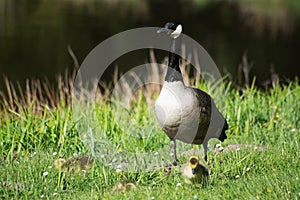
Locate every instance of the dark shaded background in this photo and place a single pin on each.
(35, 34)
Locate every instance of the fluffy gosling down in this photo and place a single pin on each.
(194, 171)
(74, 164)
(124, 186)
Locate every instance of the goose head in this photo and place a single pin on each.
(174, 29)
(59, 163)
(193, 162)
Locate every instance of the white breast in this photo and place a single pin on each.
(177, 105)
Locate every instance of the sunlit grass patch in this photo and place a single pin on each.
(259, 160)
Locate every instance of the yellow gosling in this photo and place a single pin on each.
(74, 164)
(124, 186)
(195, 171)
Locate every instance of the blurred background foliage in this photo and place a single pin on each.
(35, 34)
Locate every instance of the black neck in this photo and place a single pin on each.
(174, 73)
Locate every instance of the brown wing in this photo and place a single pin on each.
(212, 124)
(204, 103)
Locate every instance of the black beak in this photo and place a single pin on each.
(164, 30)
(193, 171)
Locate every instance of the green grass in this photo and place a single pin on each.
(269, 118)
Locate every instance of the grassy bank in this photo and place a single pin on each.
(33, 135)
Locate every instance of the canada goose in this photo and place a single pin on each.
(194, 171)
(76, 163)
(124, 186)
(185, 113)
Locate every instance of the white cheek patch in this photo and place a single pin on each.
(177, 32)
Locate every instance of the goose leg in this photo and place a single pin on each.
(173, 146)
(205, 147)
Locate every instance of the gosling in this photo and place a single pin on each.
(124, 186)
(74, 164)
(195, 171)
